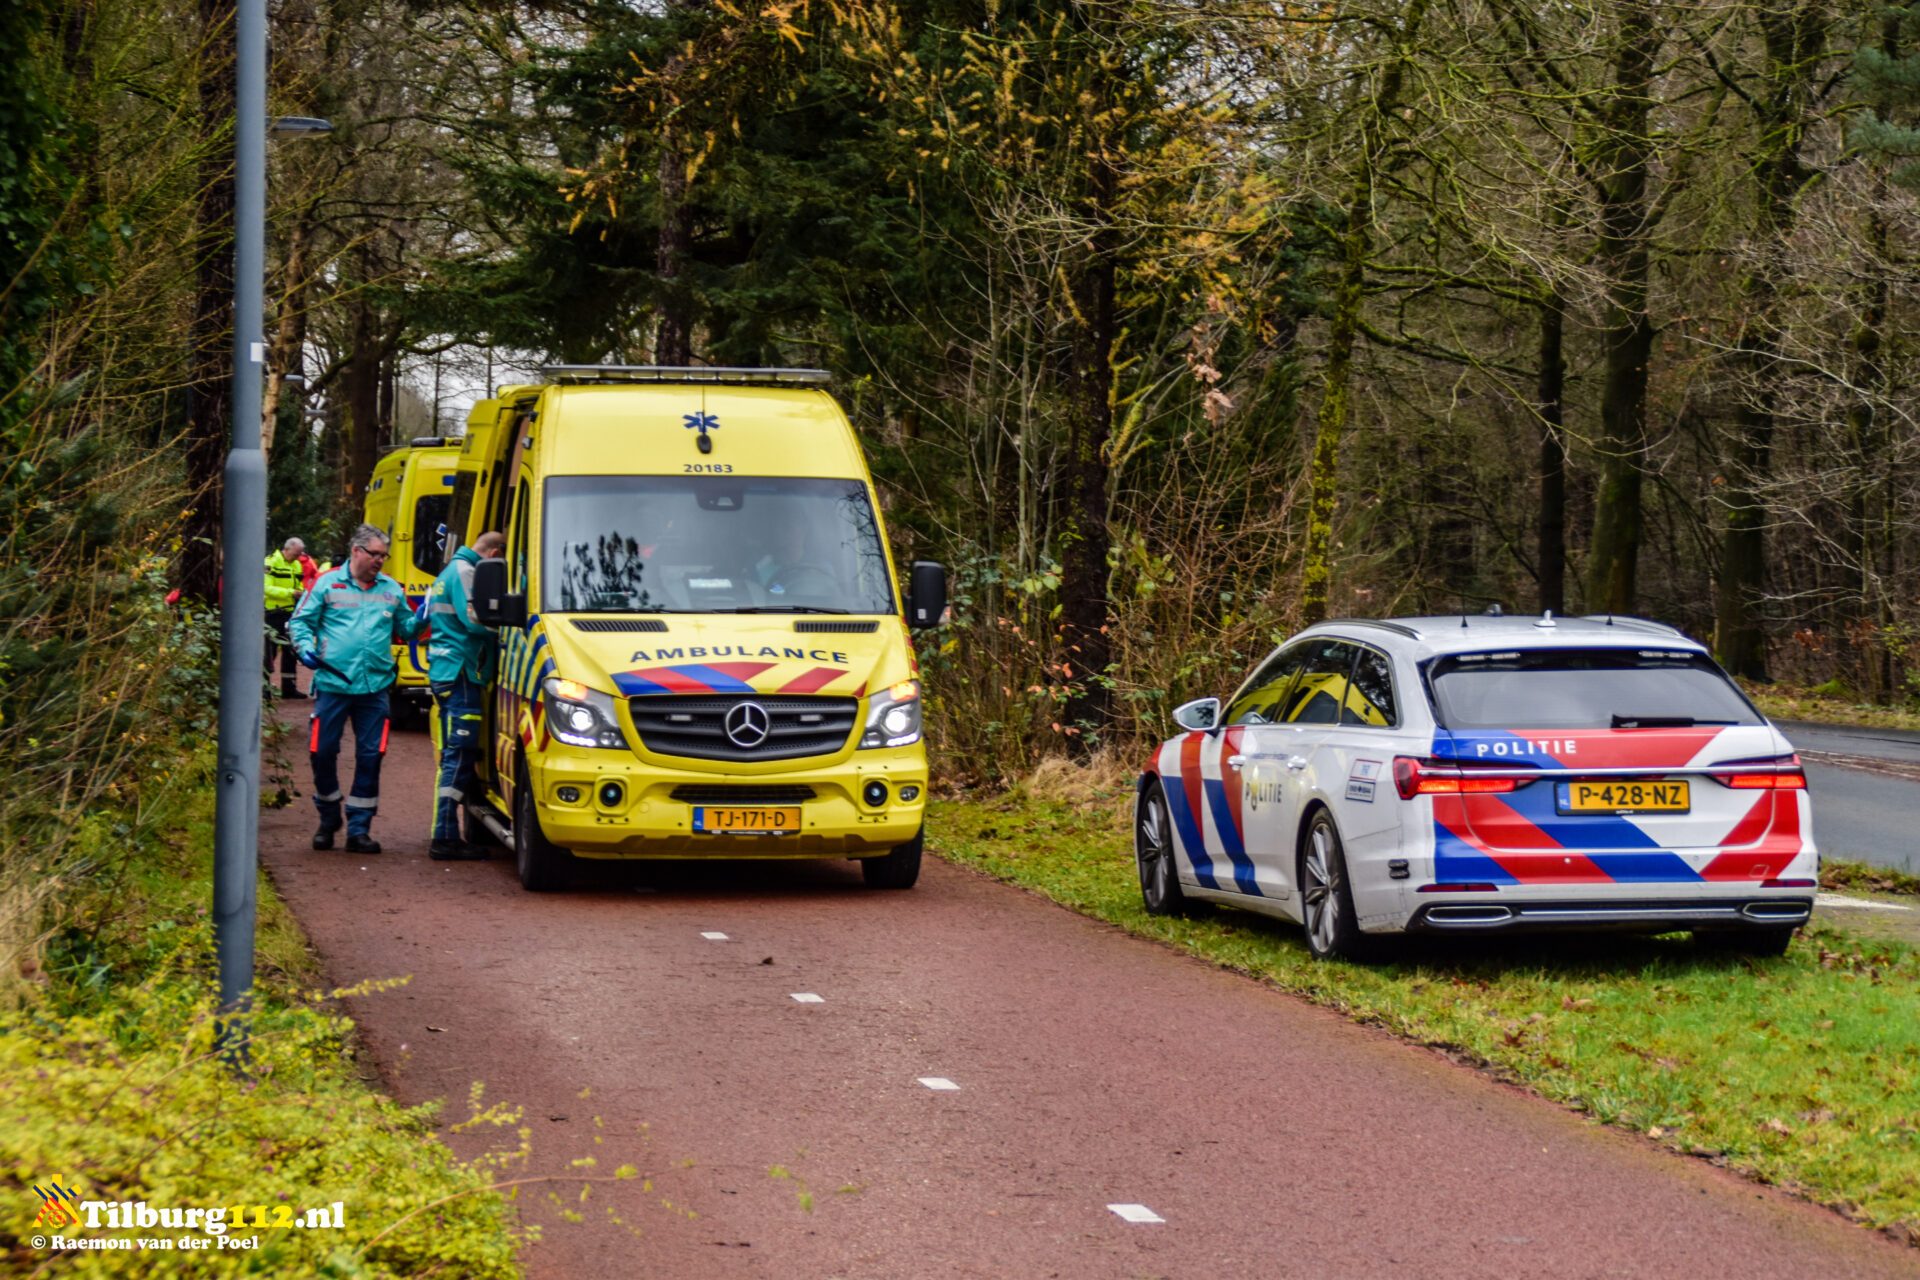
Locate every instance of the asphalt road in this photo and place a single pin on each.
(1866, 792)
(1274, 1138)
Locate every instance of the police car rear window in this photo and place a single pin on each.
(1584, 689)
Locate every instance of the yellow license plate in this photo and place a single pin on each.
(783, 820)
(1625, 797)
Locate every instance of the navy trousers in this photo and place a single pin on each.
(331, 712)
(458, 705)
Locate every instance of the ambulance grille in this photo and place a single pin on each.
(694, 726)
(625, 625)
(694, 793)
(859, 627)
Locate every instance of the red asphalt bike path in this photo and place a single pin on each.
(1275, 1138)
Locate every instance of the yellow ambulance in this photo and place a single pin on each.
(704, 647)
(411, 497)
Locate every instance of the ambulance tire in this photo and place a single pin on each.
(898, 869)
(1153, 854)
(1326, 895)
(542, 864)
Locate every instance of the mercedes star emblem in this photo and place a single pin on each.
(748, 725)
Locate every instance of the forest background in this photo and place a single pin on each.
(1170, 326)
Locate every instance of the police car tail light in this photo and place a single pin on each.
(1784, 774)
(1413, 777)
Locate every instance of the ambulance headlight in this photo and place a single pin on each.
(893, 716)
(581, 717)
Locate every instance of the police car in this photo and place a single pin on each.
(1483, 774)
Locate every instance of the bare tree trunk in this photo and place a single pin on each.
(673, 340)
(1622, 160)
(290, 332)
(1552, 516)
(1356, 246)
(1084, 576)
(1791, 37)
(362, 377)
(209, 334)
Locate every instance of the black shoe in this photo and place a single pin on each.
(455, 851)
(323, 838)
(293, 694)
(362, 844)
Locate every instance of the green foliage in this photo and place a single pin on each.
(108, 1080)
(1889, 81)
(30, 197)
(1800, 1070)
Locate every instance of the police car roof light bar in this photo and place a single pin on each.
(606, 373)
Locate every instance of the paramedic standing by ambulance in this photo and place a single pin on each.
(344, 632)
(460, 658)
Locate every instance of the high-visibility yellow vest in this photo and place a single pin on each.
(284, 582)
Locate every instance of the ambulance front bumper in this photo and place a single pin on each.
(607, 804)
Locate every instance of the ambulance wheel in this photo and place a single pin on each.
(1153, 853)
(1326, 895)
(898, 869)
(543, 865)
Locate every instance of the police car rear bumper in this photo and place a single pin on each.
(1647, 915)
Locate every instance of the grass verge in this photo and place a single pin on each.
(1790, 702)
(108, 1082)
(1802, 1071)
(1841, 875)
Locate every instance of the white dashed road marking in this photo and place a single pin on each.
(807, 997)
(714, 937)
(1135, 1213)
(938, 1083)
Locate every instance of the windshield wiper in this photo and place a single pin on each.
(1661, 722)
(780, 608)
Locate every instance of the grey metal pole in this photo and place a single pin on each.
(243, 539)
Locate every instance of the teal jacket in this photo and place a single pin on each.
(460, 644)
(353, 629)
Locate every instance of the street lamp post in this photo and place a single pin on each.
(243, 535)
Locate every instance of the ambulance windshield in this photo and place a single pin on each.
(711, 544)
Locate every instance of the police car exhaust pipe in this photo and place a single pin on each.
(1783, 912)
(1468, 916)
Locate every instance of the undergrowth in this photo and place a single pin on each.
(108, 1081)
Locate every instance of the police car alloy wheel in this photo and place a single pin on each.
(1327, 897)
(1153, 853)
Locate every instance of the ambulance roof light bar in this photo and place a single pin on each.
(604, 373)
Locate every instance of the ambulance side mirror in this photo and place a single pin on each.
(491, 603)
(926, 595)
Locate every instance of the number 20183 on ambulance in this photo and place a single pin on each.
(703, 650)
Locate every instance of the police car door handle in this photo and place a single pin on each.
(1234, 762)
(1296, 762)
